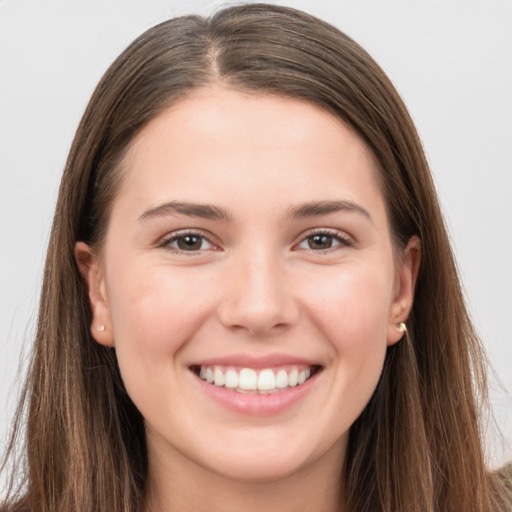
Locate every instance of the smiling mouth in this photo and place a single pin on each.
(251, 381)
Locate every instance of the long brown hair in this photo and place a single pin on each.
(417, 446)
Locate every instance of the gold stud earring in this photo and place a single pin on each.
(401, 327)
(100, 328)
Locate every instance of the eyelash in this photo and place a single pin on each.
(181, 235)
(333, 235)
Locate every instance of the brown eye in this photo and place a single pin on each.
(325, 240)
(188, 242)
(320, 241)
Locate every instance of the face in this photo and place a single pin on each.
(249, 284)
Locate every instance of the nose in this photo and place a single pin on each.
(258, 296)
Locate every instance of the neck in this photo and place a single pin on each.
(182, 485)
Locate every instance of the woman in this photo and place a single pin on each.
(249, 299)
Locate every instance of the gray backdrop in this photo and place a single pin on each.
(450, 59)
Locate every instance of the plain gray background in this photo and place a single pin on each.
(450, 59)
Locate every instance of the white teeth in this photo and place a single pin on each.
(266, 380)
(303, 375)
(218, 376)
(281, 379)
(249, 380)
(231, 379)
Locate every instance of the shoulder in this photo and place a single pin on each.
(504, 477)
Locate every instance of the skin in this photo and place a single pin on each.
(258, 284)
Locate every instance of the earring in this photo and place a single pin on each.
(100, 328)
(401, 327)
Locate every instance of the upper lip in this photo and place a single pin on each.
(256, 362)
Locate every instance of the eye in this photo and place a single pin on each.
(324, 240)
(188, 242)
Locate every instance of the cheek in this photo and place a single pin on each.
(350, 313)
(353, 309)
(154, 313)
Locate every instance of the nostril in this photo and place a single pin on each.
(258, 321)
(257, 298)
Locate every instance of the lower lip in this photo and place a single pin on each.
(256, 404)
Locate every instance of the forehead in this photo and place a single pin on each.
(220, 136)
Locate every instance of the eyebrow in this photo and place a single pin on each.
(317, 208)
(205, 211)
(211, 212)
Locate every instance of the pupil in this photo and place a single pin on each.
(189, 242)
(320, 242)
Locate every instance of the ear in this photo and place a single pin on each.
(101, 328)
(406, 275)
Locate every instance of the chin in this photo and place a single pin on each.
(259, 469)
